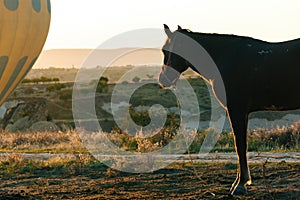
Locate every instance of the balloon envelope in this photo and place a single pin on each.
(24, 26)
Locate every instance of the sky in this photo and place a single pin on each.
(88, 23)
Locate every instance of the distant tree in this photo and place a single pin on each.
(102, 86)
(35, 80)
(55, 80)
(103, 79)
(44, 79)
(150, 76)
(136, 79)
(26, 80)
(55, 87)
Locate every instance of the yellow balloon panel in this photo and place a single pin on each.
(24, 26)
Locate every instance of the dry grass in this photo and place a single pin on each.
(80, 176)
(59, 142)
(14, 163)
(280, 139)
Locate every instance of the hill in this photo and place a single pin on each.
(74, 58)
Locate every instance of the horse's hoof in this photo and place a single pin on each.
(239, 190)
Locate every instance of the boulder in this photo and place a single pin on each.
(18, 114)
(20, 125)
(44, 126)
(36, 109)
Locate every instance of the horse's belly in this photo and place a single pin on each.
(283, 98)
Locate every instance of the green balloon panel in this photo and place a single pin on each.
(23, 32)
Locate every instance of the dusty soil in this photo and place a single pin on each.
(179, 181)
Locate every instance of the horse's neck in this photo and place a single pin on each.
(215, 45)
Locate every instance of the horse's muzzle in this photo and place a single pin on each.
(164, 81)
(168, 77)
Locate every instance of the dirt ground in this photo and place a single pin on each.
(178, 181)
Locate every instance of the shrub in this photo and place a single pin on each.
(65, 94)
(42, 79)
(102, 84)
(26, 80)
(136, 79)
(55, 87)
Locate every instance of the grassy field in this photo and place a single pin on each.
(60, 100)
(80, 176)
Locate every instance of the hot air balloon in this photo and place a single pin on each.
(24, 26)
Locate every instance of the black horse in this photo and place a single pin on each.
(256, 75)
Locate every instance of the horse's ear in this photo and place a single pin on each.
(179, 27)
(168, 31)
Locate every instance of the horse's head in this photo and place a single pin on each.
(173, 64)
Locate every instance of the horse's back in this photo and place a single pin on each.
(264, 76)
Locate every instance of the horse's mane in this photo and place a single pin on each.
(185, 31)
(188, 31)
(214, 37)
(227, 36)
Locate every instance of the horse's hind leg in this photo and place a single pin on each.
(239, 123)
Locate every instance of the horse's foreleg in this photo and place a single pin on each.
(239, 126)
